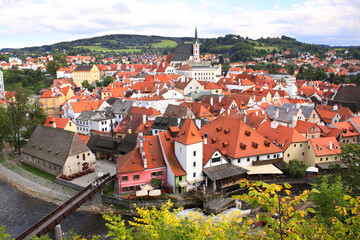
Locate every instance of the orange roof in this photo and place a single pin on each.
(189, 133)
(84, 138)
(208, 150)
(326, 116)
(133, 162)
(166, 141)
(322, 146)
(60, 122)
(304, 126)
(236, 139)
(80, 106)
(145, 111)
(347, 128)
(283, 136)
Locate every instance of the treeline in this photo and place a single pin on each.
(32, 80)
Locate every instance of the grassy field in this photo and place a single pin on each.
(38, 172)
(267, 48)
(164, 44)
(101, 49)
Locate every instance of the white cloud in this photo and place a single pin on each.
(328, 20)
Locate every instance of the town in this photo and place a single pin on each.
(184, 122)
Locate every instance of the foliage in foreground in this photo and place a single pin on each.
(280, 215)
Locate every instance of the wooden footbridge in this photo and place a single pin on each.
(54, 218)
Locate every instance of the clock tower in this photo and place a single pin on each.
(196, 48)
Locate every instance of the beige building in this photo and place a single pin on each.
(201, 72)
(63, 123)
(58, 152)
(90, 73)
(322, 150)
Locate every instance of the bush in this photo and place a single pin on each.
(295, 169)
(156, 182)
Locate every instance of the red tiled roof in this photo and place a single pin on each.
(322, 146)
(236, 139)
(60, 122)
(347, 128)
(189, 133)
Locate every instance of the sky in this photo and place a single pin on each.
(25, 23)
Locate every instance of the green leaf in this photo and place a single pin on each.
(347, 197)
(286, 185)
(311, 210)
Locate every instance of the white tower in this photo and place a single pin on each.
(2, 87)
(196, 48)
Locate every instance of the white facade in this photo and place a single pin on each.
(2, 86)
(190, 158)
(202, 73)
(216, 159)
(248, 161)
(74, 163)
(172, 94)
(83, 127)
(159, 105)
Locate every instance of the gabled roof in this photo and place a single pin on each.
(164, 123)
(178, 111)
(304, 126)
(236, 139)
(348, 130)
(168, 147)
(282, 136)
(85, 115)
(83, 68)
(326, 116)
(285, 113)
(60, 122)
(54, 145)
(182, 52)
(189, 133)
(325, 146)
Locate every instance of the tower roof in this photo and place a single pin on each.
(189, 133)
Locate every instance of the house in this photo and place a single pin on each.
(62, 123)
(322, 150)
(178, 111)
(239, 143)
(57, 151)
(329, 117)
(83, 122)
(88, 73)
(347, 96)
(187, 85)
(284, 115)
(163, 124)
(349, 133)
(288, 139)
(139, 166)
(308, 129)
(344, 112)
(102, 123)
(53, 99)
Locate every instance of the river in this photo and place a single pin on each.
(18, 212)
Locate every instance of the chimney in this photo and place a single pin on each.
(211, 101)
(256, 113)
(276, 114)
(220, 98)
(293, 121)
(274, 124)
(331, 145)
(228, 111)
(157, 92)
(297, 105)
(178, 121)
(144, 119)
(205, 137)
(335, 107)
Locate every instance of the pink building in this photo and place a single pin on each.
(139, 166)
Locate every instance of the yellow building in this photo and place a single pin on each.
(52, 100)
(291, 141)
(322, 150)
(89, 73)
(63, 123)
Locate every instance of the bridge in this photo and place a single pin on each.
(54, 218)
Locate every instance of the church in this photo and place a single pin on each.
(185, 53)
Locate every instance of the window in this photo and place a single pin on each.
(77, 156)
(300, 145)
(288, 154)
(194, 164)
(88, 154)
(194, 153)
(125, 189)
(124, 178)
(320, 159)
(274, 155)
(153, 174)
(268, 156)
(335, 158)
(327, 158)
(160, 173)
(215, 160)
(180, 178)
(136, 177)
(248, 159)
(239, 160)
(303, 153)
(294, 145)
(194, 174)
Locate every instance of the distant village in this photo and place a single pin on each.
(178, 119)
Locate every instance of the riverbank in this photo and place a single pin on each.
(39, 187)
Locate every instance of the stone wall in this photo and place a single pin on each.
(188, 203)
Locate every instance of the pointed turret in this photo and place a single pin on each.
(196, 48)
(196, 35)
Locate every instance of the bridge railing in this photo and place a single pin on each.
(74, 200)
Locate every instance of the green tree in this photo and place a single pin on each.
(87, 85)
(330, 195)
(52, 67)
(295, 169)
(108, 80)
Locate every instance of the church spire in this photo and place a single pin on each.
(196, 36)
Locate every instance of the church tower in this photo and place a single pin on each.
(2, 87)
(196, 48)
